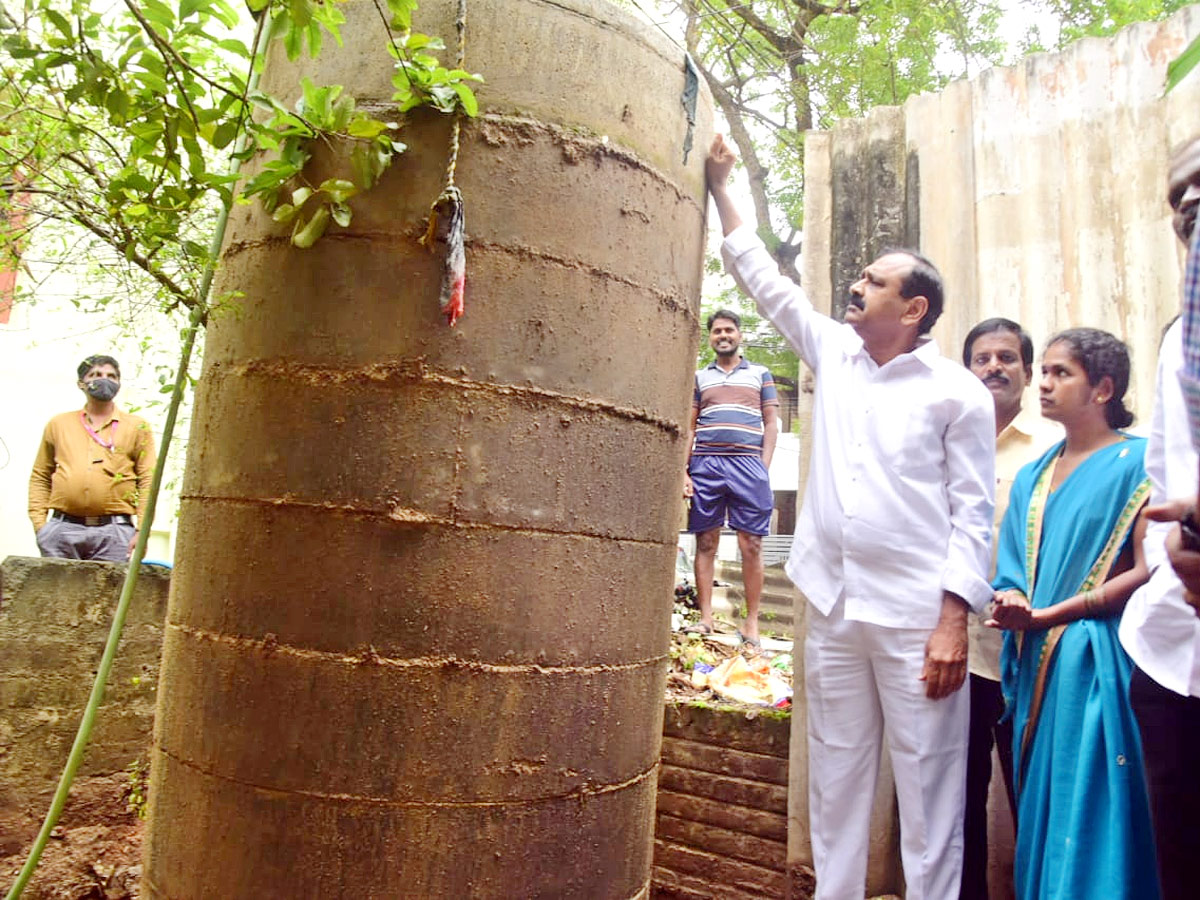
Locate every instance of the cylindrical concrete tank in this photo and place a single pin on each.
(417, 639)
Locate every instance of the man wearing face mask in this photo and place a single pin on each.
(92, 473)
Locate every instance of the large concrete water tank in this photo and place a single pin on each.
(417, 639)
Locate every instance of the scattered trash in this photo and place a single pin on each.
(715, 668)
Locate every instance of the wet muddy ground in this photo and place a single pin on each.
(94, 853)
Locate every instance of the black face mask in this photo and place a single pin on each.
(102, 389)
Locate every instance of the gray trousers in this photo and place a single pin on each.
(66, 540)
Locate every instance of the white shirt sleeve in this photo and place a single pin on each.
(779, 298)
(971, 486)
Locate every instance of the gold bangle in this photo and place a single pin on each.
(1089, 603)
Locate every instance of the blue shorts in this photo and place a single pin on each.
(737, 485)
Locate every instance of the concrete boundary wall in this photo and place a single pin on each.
(54, 619)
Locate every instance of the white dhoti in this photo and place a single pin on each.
(862, 686)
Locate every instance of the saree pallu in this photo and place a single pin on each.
(1082, 808)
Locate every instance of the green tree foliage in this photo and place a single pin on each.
(777, 68)
(126, 119)
(1097, 18)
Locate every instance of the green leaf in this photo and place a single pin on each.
(467, 98)
(225, 13)
(224, 134)
(305, 235)
(301, 194)
(341, 214)
(291, 41)
(343, 109)
(339, 189)
(364, 127)
(232, 45)
(59, 21)
(314, 39)
(285, 212)
(401, 11)
(301, 12)
(1178, 68)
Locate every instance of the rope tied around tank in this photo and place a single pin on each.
(447, 222)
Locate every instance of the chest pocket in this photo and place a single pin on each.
(912, 441)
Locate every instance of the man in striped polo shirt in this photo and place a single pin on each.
(734, 414)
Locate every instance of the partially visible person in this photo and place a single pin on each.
(1159, 630)
(1000, 354)
(1069, 558)
(1183, 541)
(891, 550)
(92, 473)
(1183, 193)
(734, 430)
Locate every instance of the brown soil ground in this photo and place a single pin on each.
(95, 851)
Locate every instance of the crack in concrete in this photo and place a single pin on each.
(408, 516)
(368, 655)
(580, 794)
(521, 251)
(594, 144)
(666, 300)
(417, 370)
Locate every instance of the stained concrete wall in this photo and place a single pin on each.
(1039, 191)
(54, 620)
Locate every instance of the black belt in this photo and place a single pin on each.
(92, 521)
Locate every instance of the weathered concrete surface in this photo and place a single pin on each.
(409, 649)
(54, 619)
(722, 807)
(1039, 191)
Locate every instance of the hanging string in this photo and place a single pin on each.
(447, 220)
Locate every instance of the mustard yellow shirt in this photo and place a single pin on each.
(1022, 441)
(80, 476)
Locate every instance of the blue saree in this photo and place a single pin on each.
(1083, 815)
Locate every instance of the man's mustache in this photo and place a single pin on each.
(997, 379)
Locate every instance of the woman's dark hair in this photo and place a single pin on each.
(1101, 355)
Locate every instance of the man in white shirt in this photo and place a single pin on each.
(891, 550)
(1159, 630)
(1000, 354)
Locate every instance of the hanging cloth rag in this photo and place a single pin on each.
(445, 237)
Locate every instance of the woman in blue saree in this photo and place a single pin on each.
(1068, 560)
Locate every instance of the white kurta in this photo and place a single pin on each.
(1159, 631)
(897, 510)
